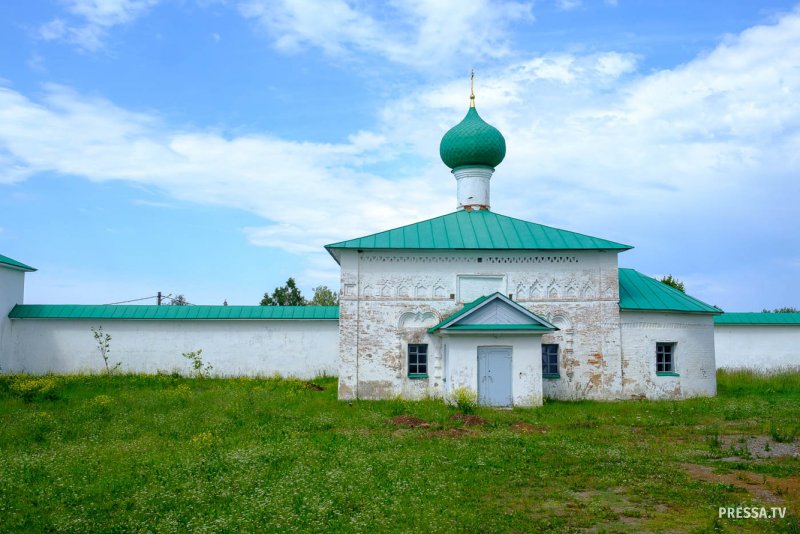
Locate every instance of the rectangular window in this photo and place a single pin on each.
(550, 361)
(665, 357)
(418, 360)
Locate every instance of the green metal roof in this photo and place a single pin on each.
(640, 292)
(472, 141)
(478, 230)
(470, 306)
(515, 327)
(180, 313)
(758, 318)
(467, 307)
(8, 262)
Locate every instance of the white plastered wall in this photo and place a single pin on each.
(693, 336)
(12, 290)
(301, 348)
(526, 364)
(759, 347)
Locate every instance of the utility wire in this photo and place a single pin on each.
(163, 297)
(134, 300)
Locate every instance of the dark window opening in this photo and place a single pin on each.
(665, 357)
(418, 360)
(550, 359)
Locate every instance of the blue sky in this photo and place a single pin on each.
(211, 148)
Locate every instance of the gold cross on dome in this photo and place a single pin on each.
(472, 88)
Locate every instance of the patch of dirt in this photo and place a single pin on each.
(527, 428)
(313, 387)
(765, 488)
(469, 420)
(761, 446)
(731, 460)
(410, 421)
(451, 433)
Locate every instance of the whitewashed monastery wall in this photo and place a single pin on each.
(693, 336)
(759, 347)
(300, 348)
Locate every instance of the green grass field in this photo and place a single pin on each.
(166, 453)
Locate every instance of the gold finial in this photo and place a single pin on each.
(472, 88)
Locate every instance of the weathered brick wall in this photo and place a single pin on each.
(389, 298)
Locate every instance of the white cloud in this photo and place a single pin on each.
(593, 145)
(422, 33)
(305, 190)
(94, 20)
(568, 5)
(661, 160)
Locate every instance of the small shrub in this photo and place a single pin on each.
(200, 369)
(34, 387)
(465, 399)
(104, 346)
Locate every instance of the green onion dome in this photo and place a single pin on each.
(472, 142)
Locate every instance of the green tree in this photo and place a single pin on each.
(323, 296)
(674, 282)
(785, 309)
(178, 300)
(288, 295)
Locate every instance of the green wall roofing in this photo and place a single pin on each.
(471, 142)
(81, 311)
(638, 292)
(758, 318)
(478, 230)
(5, 260)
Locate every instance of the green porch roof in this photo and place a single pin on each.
(493, 327)
(180, 313)
(544, 326)
(467, 307)
(14, 264)
(478, 230)
(638, 292)
(758, 318)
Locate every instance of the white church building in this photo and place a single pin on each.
(511, 310)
